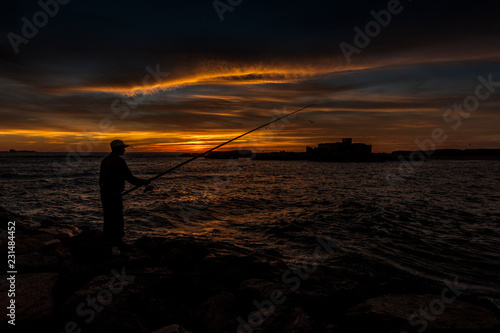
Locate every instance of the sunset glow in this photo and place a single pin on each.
(190, 98)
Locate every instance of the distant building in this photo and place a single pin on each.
(21, 151)
(344, 149)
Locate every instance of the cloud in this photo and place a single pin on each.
(225, 78)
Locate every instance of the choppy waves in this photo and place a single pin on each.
(441, 223)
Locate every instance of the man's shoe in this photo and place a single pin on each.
(115, 251)
(125, 247)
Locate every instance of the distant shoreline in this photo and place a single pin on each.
(438, 154)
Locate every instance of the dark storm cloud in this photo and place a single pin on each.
(131, 34)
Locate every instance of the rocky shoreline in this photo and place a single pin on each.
(68, 281)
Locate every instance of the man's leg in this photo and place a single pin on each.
(113, 218)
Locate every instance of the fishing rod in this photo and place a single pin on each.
(210, 150)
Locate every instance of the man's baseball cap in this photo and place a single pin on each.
(118, 143)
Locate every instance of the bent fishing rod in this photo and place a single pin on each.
(211, 150)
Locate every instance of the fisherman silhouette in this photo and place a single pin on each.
(113, 173)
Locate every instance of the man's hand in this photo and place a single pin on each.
(148, 187)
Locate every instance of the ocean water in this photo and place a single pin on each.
(442, 222)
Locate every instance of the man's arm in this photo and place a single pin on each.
(131, 178)
(102, 171)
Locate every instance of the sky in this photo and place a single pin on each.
(188, 75)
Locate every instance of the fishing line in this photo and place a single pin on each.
(210, 150)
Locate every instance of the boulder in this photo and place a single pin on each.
(22, 222)
(26, 244)
(172, 329)
(303, 323)
(242, 266)
(34, 301)
(217, 314)
(260, 289)
(62, 231)
(396, 313)
(123, 322)
(154, 246)
(35, 262)
(107, 303)
(184, 257)
(89, 247)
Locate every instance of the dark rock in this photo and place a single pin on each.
(123, 321)
(31, 239)
(327, 292)
(140, 260)
(396, 313)
(26, 244)
(89, 247)
(71, 277)
(51, 221)
(61, 231)
(55, 248)
(184, 257)
(34, 301)
(171, 329)
(154, 246)
(107, 303)
(303, 323)
(23, 222)
(259, 289)
(35, 262)
(227, 272)
(218, 314)
(279, 318)
(171, 297)
(233, 265)
(213, 287)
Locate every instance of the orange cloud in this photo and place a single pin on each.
(220, 72)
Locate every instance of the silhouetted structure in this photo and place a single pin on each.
(340, 150)
(230, 154)
(114, 171)
(21, 151)
(344, 151)
(280, 156)
(448, 154)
